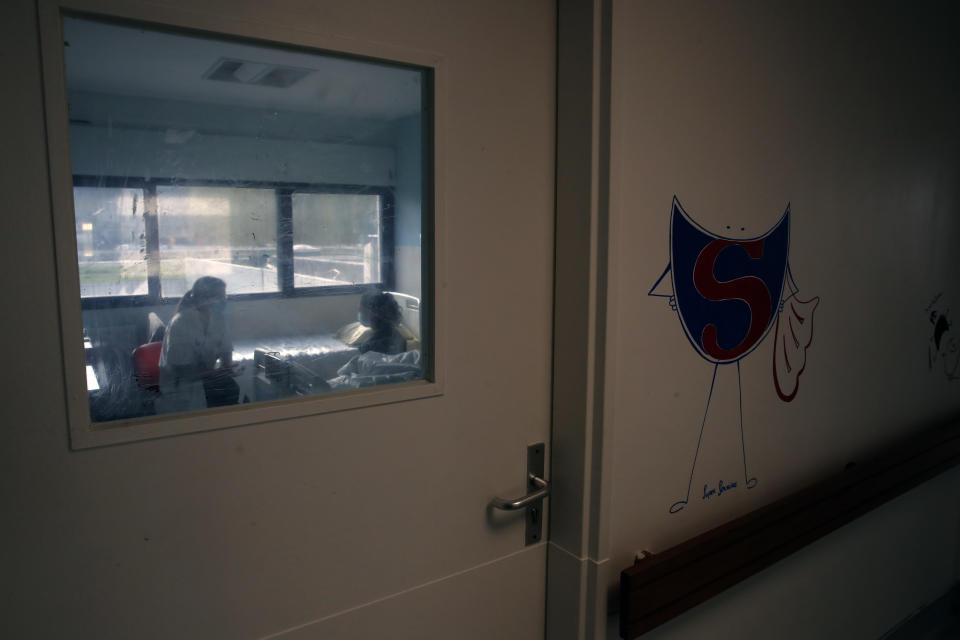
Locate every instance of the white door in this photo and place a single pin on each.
(362, 523)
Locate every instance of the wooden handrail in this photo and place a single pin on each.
(664, 585)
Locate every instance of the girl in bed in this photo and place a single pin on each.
(380, 312)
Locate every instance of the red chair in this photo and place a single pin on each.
(146, 366)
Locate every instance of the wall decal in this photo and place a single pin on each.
(943, 349)
(729, 293)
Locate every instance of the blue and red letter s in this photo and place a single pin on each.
(750, 289)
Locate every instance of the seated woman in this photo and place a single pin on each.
(196, 361)
(380, 312)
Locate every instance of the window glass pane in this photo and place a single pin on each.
(225, 232)
(248, 217)
(336, 239)
(110, 241)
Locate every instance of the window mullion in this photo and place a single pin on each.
(151, 230)
(285, 241)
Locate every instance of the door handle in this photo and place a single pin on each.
(532, 502)
(540, 489)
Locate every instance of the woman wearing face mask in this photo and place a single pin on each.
(196, 363)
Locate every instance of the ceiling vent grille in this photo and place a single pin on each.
(256, 73)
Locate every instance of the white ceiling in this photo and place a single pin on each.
(119, 60)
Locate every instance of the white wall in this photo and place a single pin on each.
(102, 151)
(251, 319)
(849, 114)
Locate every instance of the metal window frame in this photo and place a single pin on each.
(284, 192)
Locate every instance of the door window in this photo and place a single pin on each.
(236, 220)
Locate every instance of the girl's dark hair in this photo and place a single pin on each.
(205, 288)
(383, 309)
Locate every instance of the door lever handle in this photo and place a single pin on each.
(540, 490)
(532, 503)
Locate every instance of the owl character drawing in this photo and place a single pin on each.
(729, 293)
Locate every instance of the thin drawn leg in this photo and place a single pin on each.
(750, 482)
(680, 504)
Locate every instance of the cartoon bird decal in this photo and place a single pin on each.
(729, 293)
(943, 346)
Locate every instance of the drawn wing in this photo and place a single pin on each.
(793, 336)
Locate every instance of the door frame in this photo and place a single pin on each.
(578, 566)
(83, 432)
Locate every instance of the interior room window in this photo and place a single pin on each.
(248, 219)
(227, 232)
(336, 239)
(111, 250)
